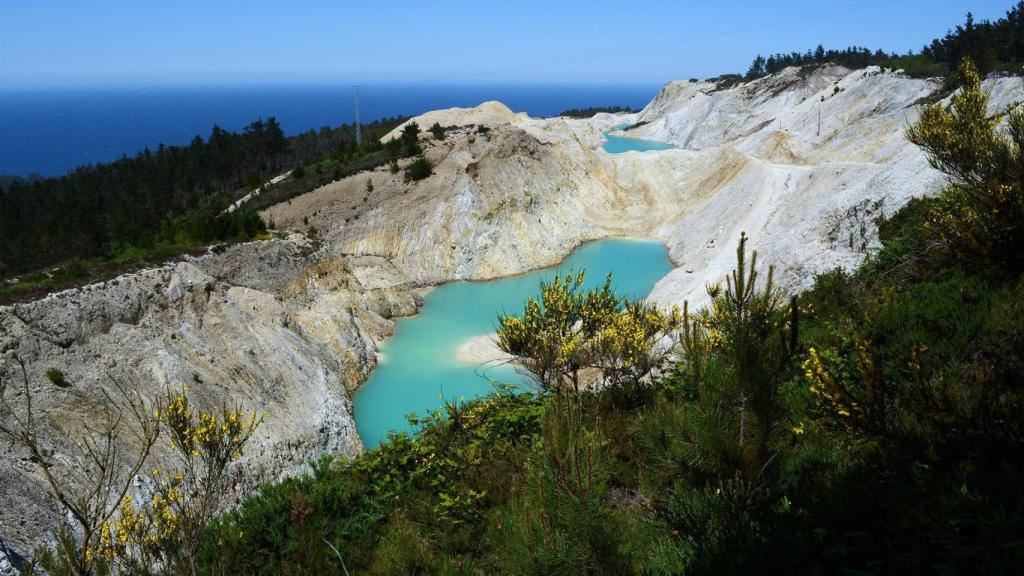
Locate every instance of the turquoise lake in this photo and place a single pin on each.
(619, 144)
(418, 368)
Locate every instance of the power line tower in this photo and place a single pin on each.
(359, 135)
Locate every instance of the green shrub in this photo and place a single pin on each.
(410, 139)
(299, 172)
(418, 169)
(980, 218)
(411, 501)
(735, 357)
(560, 521)
(438, 131)
(403, 550)
(56, 377)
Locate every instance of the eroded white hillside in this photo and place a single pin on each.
(512, 193)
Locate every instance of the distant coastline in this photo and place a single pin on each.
(52, 131)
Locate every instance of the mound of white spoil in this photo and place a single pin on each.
(804, 162)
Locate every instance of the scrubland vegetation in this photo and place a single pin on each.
(101, 220)
(871, 424)
(992, 46)
(594, 110)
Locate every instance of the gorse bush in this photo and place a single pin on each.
(110, 530)
(978, 217)
(430, 494)
(568, 330)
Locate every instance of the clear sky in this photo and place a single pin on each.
(73, 42)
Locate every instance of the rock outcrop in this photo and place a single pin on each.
(275, 326)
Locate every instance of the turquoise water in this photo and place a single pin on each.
(418, 366)
(619, 144)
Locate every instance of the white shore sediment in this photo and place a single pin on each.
(482, 349)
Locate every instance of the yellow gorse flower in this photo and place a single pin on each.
(829, 391)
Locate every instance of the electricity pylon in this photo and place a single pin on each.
(359, 135)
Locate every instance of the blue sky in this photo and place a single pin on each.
(50, 42)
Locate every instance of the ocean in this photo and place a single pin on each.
(53, 131)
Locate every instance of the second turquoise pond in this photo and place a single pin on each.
(618, 144)
(419, 368)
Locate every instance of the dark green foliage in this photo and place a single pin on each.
(56, 377)
(594, 110)
(991, 45)
(299, 172)
(985, 43)
(757, 68)
(99, 214)
(410, 139)
(438, 131)
(852, 57)
(561, 521)
(418, 169)
(410, 503)
(122, 203)
(726, 81)
(735, 357)
(210, 222)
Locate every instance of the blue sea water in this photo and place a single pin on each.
(54, 130)
(419, 368)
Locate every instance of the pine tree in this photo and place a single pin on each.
(756, 68)
(735, 357)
